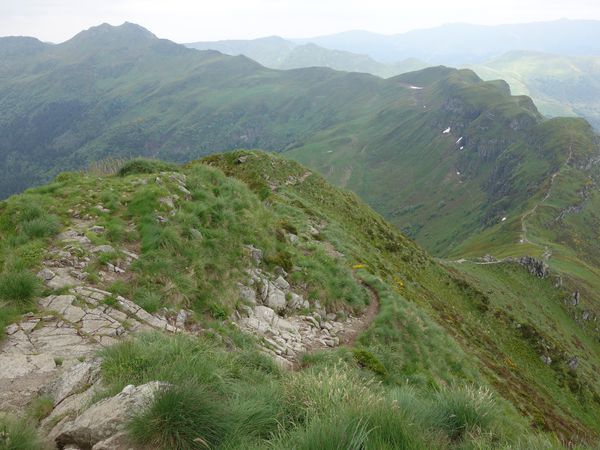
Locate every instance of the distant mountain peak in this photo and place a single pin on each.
(127, 30)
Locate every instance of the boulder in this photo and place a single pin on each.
(108, 417)
(275, 298)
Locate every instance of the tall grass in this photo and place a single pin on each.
(19, 287)
(18, 434)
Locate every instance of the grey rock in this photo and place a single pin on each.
(281, 283)
(297, 302)
(280, 271)
(536, 267)
(46, 274)
(185, 191)
(576, 297)
(256, 254)
(64, 278)
(196, 234)
(182, 318)
(264, 313)
(103, 249)
(573, 363)
(12, 329)
(247, 294)
(169, 201)
(117, 441)
(276, 298)
(108, 417)
(546, 359)
(74, 380)
(97, 229)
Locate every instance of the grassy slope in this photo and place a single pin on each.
(436, 331)
(476, 315)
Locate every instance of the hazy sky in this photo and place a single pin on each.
(195, 20)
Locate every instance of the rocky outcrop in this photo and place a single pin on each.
(286, 323)
(71, 327)
(536, 267)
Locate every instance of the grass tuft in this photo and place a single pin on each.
(19, 287)
(180, 418)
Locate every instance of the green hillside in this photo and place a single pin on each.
(120, 92)
(560, 85)
(452, 357)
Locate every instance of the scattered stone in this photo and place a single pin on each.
(297, 302)
(281, 283)
(103, 249)
(196, 234)
(46, 274)
(275, 298)
(97, 229)
(185, 191)
(280, 271)
(169, 201)
(12, 329)
(247, 294)
(255, 254)
(182, 318)
(573, 363)
(575, 298)
(546, 359)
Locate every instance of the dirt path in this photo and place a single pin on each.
(349, 336)
(524, 239)
(353, 331)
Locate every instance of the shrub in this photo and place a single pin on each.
(141, 165)
(21, 286)
(181, 418)
(18, 435)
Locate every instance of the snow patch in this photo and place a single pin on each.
(446, 131)
(461, 147)
(416, 87)
(503, 219)
(459, 139)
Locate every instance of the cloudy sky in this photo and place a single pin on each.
(195, 20)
